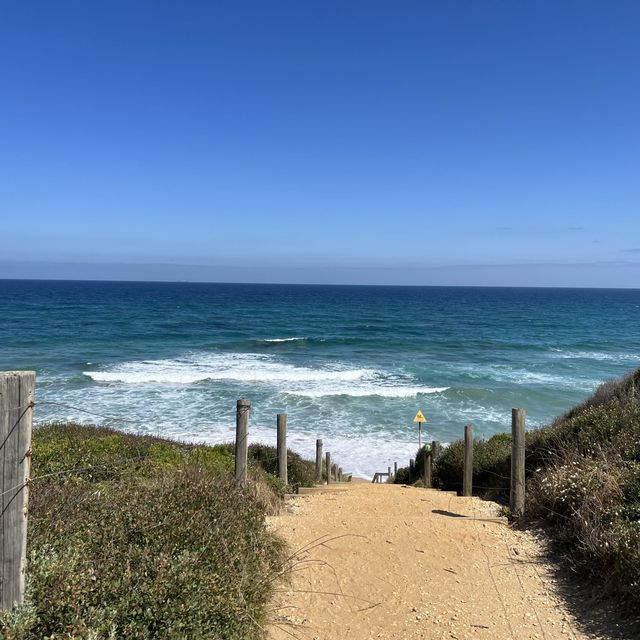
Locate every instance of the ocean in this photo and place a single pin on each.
(349, 364)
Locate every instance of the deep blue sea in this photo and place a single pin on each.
(349, 364)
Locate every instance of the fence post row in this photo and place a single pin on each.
(281, 422)
(467, 478)
(242, 423)
(17, 392)
(516, 497)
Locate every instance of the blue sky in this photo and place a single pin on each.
(434, 142)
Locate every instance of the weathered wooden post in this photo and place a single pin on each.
(318, 460)
(17, 393)
(467, 478)
(242, 446)
(436, 449)
(339, 474)
(395, 469)
(327, 466)
(427, 469)
(334, 472)
(517, 494)
(282, 447)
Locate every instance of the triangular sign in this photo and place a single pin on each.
(419, 417)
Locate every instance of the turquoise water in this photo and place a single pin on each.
(349, 364)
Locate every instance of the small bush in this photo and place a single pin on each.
(491, 466)
(300, 472)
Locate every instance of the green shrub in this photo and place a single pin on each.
(300, 472)
(491, 466)
(402, 476)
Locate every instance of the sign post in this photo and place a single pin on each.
(419, 419)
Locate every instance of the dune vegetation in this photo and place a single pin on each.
(139, 537)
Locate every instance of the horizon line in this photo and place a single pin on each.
(325, 284)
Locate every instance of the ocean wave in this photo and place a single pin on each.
(514, 375)
(310, 382)
(232, 367)
(279, 340)
(365, 390)
(595, 355)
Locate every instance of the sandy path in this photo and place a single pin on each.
(398, 564)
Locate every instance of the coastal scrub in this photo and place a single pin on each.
(142, 538)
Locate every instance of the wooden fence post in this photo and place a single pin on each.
(467, 478)
(516, 498)
(435, 450)
(395, 469)
(334, 472)
(339, 474)
(242, 446)
(17, 393)
(318, 460)
(427, 470)
(327, 466)
(282, 447)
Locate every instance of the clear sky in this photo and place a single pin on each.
(429, 142)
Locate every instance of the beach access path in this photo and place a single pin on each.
(401, 563)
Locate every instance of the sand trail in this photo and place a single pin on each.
(394, 562)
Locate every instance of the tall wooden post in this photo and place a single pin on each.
(389, 474)
(395, 469)
(467, 478)
(339, 474)
(334, 472)
(318, 460)
(242, 445)
(327, 466)
(282, 447)
(436, 449)
(517, 494)
(427, 470)
(17, 393)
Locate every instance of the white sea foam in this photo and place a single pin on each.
(311, 382)
(595, 355)
(512, 375)
(363, 390)
(272, 340)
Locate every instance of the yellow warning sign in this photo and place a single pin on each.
(419, 417)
